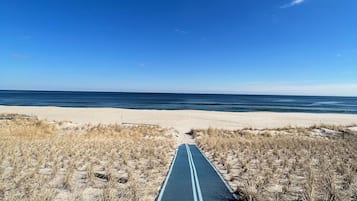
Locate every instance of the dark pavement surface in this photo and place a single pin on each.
(179, 185)
(187, 180)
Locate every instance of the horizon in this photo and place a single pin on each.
(280, 47)
(188, 93)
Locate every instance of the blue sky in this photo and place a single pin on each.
(216, 46)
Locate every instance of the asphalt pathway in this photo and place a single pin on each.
(193, 178)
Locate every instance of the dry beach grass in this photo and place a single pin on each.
(292, 163)
(61, 160)
(41, 160)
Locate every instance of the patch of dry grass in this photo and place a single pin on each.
(42, 160)
(317, 163)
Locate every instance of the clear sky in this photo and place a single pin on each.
(235, 46)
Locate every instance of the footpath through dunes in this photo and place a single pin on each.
(193, 178)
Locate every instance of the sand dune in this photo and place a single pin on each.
(294, 141)
(62, 161)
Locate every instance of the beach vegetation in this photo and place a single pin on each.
(43, 160)
(290, 163)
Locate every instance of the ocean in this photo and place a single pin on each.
(180, 101)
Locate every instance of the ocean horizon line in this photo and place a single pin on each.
(179, 92)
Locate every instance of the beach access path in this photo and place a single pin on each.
(192, 177)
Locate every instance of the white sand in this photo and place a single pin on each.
(183, 120)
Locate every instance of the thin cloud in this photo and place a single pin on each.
(180, 31)
(293, 3)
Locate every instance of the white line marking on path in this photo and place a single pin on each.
(192, 176)
(189, 154)
(167, 177)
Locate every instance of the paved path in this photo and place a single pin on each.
(193, 178)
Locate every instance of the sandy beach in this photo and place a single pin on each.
(182, 121)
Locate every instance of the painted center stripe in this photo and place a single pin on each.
(192, 175)
(196, 181)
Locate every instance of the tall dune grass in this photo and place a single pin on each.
(317, 163)
(42, 160)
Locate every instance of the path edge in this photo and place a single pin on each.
(219, 174)
(163, 187)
